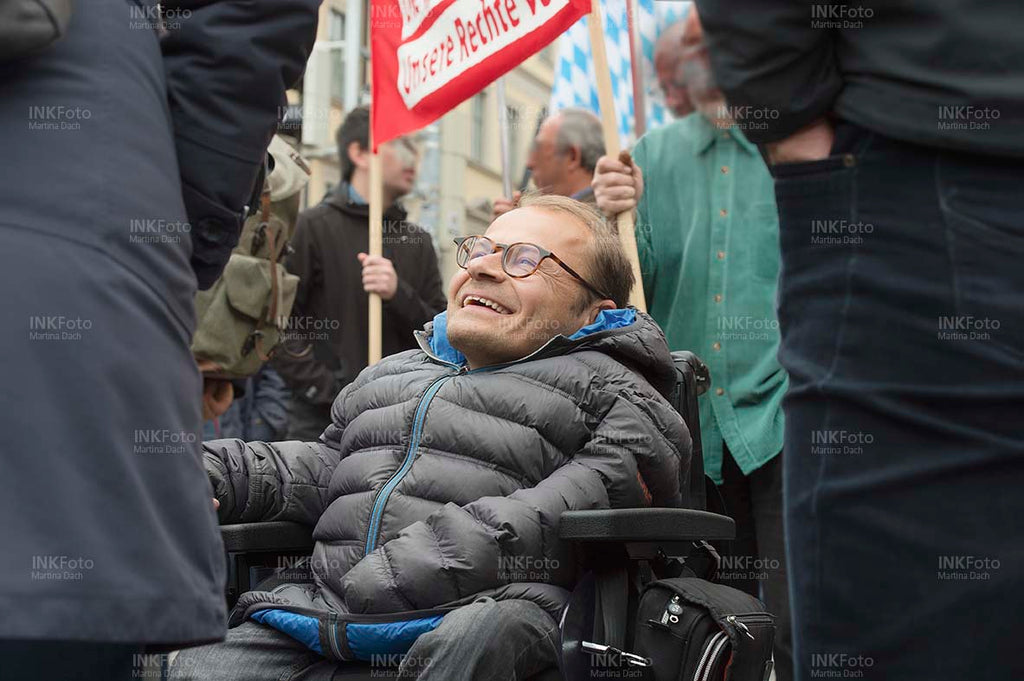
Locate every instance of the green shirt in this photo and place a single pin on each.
(708, 236)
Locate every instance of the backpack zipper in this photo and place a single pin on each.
(672, 611)
(707, 659)
(718, 642)
(737, 622)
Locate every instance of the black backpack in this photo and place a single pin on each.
(693, 629)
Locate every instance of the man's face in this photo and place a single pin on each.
(669, 67)
(534, 309)
(700, 82)
(696, 62)
(399, 158)
(547, 164)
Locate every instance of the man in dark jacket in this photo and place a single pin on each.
(328, 337)
(442, 476)
(128, 161)
(895, 134)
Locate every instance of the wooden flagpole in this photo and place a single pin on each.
(627, 231)
(506, 170)
(376, 247)
(636, 63)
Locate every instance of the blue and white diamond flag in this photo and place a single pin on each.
(575, 84)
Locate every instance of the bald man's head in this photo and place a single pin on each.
(692, 31)
(668, 53)
(670, 41)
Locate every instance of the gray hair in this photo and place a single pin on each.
(581, 128)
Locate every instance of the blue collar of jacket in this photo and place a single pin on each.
(708, 134)
(347, 200)
(606, 320)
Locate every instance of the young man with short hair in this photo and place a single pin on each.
(327, 342)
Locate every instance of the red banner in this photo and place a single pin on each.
(429, 56)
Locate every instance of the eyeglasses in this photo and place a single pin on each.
(518, 260)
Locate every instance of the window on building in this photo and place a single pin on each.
(513, 123)
(336, 26)
(478, 129)
(336, 32)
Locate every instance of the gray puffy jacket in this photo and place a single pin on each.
(435, 483)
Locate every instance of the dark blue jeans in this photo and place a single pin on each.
(902, 316)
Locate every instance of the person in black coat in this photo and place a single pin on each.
(327, 341)
(131, 149)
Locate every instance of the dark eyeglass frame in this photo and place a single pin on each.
(544, 254)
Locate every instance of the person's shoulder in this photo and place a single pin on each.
(591, 378)
(324, 208)
(401, 366)
(316, 215)
(670, 139)
(400, 362)
(665, 153)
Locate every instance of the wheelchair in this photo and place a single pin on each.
(623, 548)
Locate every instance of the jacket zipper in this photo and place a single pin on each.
(414, 441)
(381, 500)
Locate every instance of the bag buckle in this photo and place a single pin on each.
(250, 342)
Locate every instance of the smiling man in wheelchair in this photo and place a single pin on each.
(436, 490)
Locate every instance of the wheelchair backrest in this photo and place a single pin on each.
(692, 380)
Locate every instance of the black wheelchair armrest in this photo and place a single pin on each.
(644, 525)
(616, 537)
(255, 551)
(278, 536)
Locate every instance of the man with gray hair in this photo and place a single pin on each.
(562, 157)
(668, 64)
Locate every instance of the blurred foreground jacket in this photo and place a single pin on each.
(125, 160)
(227, 66)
